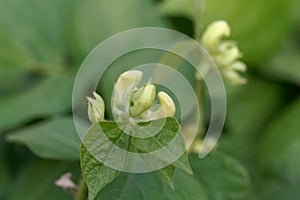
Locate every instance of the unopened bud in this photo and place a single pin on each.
(234, 77)
(125, 85)
(96, 108)
(239, 66)
(224, 53)
(229, 53)
(212, 36)
(142, 99)
(167, 103)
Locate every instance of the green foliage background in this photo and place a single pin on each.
(42, 44)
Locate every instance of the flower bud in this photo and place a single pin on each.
(142, 99)
(229, 53)
(96, 108)
(224, 53)
(127, 79)
(212, 36)
(125, 85)
(239, 66)
(166, 103)
(234, 77)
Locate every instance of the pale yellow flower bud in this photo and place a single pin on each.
(127, 79)
(142, 99)
(166, 103)
(224, 53)
(96, 108)
(125, 85)
(214, 33)
(229, 53)
(234, 77)
(239, 66)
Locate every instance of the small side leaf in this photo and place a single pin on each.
(53, 139)
(183, 163)
(167, 173)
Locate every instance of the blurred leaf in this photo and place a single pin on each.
(4, 178)
(91, 27)
(148, 186)
(257, 101)
(179, 7)
(186, 187)
(36, 181)
(12, 79)
(284, 65)
(35, 38)
(51, 95)
(5, 172)
(280, 147)
(274, 188)
(266, 29)
(250, 108)
(54, 139)
(222, 176)
(217, 175)
(167, 173)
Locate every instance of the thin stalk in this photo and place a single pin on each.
(199, 86)
(82, 189)
(199, 9)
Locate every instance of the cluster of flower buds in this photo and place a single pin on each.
(226, 54)
(128, 101)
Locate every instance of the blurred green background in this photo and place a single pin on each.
(42, 44)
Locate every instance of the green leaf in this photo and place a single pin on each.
(53, 139)
(217, 177)
(149, 186)
(248, 99)
(167, 173)
(161, 139)
(275, 188)
(37, 181)
(222, 176)
(284, 65)
(96, 174)
(12, 79)
(186, 187)
(50, 96)
(280, 146)
(247, 105)
(5, 172)
(31, 42)
(89, 25)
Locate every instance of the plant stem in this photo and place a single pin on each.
(199, 9)
(199, 86)
(82, 189)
